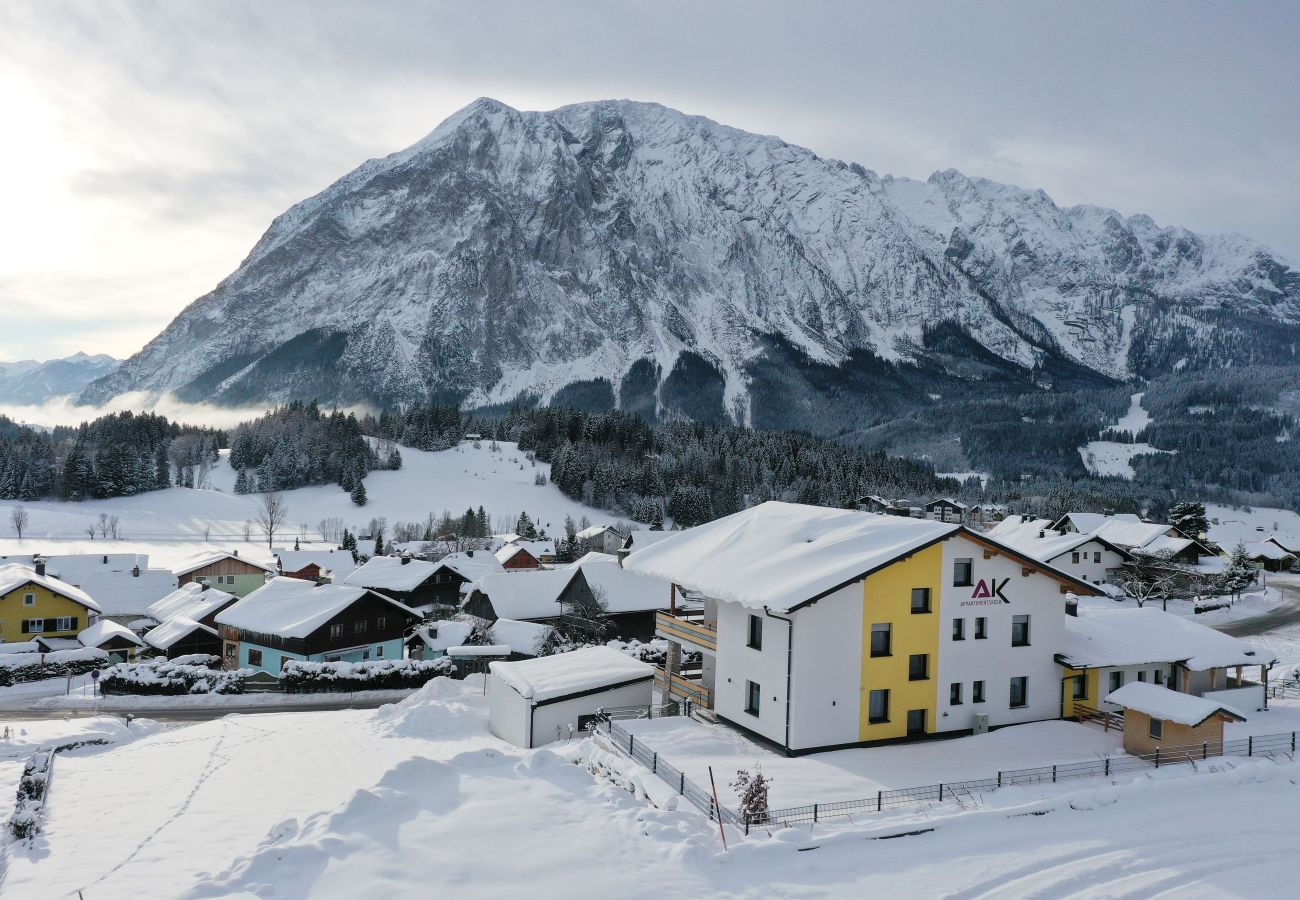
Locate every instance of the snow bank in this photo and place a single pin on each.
(16, 668)
(440, 710)
(587, 669)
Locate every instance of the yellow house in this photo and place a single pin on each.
(33, 604)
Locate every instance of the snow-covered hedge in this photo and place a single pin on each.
(15, 668)
(374, 674)
(169, 678)
(31, 795)
(207, 660)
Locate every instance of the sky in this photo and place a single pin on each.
(147, 145)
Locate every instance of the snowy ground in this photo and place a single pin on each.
(1258, 602)
(1230, 525)
(456, 479)
(693, 746)
(418, 799)
(85, 698)
(1113, 457)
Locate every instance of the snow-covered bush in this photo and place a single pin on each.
(31, 796)
(171, 679)
(752, 791)
(15, 668)
(206, 660)
(653, 651)
(300, 677)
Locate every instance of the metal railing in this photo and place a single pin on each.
(626, 743)
(1260, 745)
(1284, 690)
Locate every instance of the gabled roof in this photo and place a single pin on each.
(471, 568)
(175, 629)
(190, 600)
(1131, 637)
(1286, 542)
(639, 540)
(208, 557)
(525, 638)
(340, 562)
(1085, 521)
(595, 530)
(1161, 702)
(14, 576)
(525, 595)
(1268, 550)
(1031, 539)
(292, 607)
(510, 551)
(391, 573)
(948, 500)
(444, 633)
(1131, 534)
(623, 591)
(105, 630)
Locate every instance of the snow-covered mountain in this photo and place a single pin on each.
(31, 381)
(622, 253)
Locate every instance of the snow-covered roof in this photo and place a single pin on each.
(1043, 545)
(444, 633)
(1287, 542)
(778, 555)
(1161, 702)
(191, 600)
(1130, 637)
(15, 575)
(526, 638)
(209, 557)
(121, 593)
(1166, 544)
(1092, 521)
(480, 650)
(391, 573)
(18, 647)
(948, 500)
(105, 630)
(623, 591)
(596, 531)
(526, 595)
(639, 540)
(292, 607)
(173, 630)
(471, 568)
(1123, 533)
(536, 548)
(1267, 550)
(507, 553)
(339, 562)
(588, 669)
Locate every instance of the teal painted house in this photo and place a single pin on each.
(226, 571)
(289, 618)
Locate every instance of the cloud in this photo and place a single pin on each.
(65, 411)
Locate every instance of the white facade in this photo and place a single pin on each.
(992, 659)
(1092, 562)
(524, 723)
(1110, 678)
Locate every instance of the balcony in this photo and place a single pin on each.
(682, 689)
(692, 634)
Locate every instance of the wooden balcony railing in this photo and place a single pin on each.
(684, 631)
(680, 688)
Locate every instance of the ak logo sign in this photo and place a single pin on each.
(988, 592)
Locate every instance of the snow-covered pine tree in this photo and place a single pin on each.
(359, 495)
(1188, 516)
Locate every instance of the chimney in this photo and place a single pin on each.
(105, 559)
(406, 559)
(1072, 606)
(39, 563)
(1042, 532)
(469, 552)
(236, 552)
(203, 585)
(135, 572)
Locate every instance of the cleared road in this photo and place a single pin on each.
(1286, 614)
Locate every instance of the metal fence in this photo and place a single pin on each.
(1261, 745)
(627, 744)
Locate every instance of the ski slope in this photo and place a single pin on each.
(463, 477)
(1114, 457)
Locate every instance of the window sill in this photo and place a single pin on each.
(1019, 705)
(956, 703)
(918, 677)
(881, 655)
(752, 712)
(877, 721)
(1021, 644)
(921, 612)
(754, 646)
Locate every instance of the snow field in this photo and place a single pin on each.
(456, 479)
(1113, 457)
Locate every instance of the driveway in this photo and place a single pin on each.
(1286, 614)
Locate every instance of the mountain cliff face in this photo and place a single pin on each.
(620, 253)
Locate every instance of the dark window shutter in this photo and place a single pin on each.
(51, 624)
(74, 624)
(25, 628)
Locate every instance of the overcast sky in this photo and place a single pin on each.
(147, 145)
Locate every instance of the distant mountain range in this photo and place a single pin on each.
(624, 254)
(31, 381)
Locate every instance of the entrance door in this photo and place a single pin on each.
(916, 721)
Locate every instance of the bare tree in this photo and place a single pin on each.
(18, 519)
(1155, 576)
(90, 530)
(113, 522)
(103, 525)
(248, 530)
(272, 516)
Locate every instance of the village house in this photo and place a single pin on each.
(119, 642)
(431, 640)
(540, 596)
(1088, 557)
(123, 584)
(1157, 718)
(315, 565)
(946, 509)
(34, 604)
(602, 538)
(1107, 649)
(290, 619)
(631, 600)
(516, 558)
(226, 570)
(422, 584)
(984, 513)
(187, 621)
(824, 628)
(640, 539)
(1269, 556)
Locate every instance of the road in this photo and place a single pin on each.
(1286, 614)
(189, 714)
